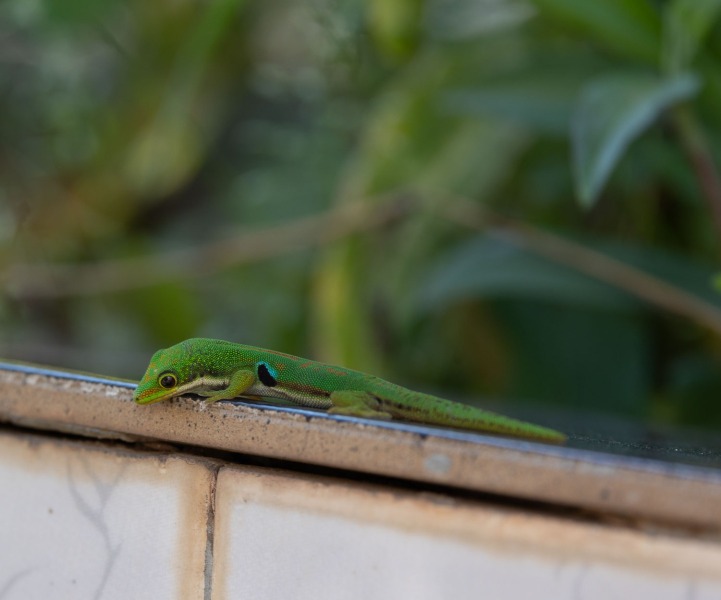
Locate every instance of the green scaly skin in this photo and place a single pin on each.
(219, 370)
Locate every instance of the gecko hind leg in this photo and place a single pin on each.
(357, 404)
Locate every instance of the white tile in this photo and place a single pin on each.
(81, 521)
(279, 537)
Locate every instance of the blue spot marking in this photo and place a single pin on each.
(270, 369)
(266, 374)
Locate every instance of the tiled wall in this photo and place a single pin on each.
(85, 520)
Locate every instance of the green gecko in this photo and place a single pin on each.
(219, 370)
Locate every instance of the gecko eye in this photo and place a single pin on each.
(167, 381)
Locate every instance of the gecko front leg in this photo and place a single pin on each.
(240, 382)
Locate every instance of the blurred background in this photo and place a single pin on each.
(514, 202)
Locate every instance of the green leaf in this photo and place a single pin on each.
(495, 266)
(686, 26)
(578, 358)
(173, 133)
(629, 27)
(541, 103)
(395, 26)
(716, 282)
(570, 338)
(611, 112)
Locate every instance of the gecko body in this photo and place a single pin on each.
(220, 370)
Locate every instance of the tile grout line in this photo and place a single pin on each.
(210, 536)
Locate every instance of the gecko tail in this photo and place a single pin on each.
(463, 416)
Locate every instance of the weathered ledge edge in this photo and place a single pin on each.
(97, 407)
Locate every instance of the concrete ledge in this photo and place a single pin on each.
(639, 488)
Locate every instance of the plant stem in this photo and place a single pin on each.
(592, 263)
(699, 153)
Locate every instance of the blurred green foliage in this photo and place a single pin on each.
(134, 134)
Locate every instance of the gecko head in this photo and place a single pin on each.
(164, 378)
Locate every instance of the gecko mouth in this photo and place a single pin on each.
(144, 399)
(198, 387)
